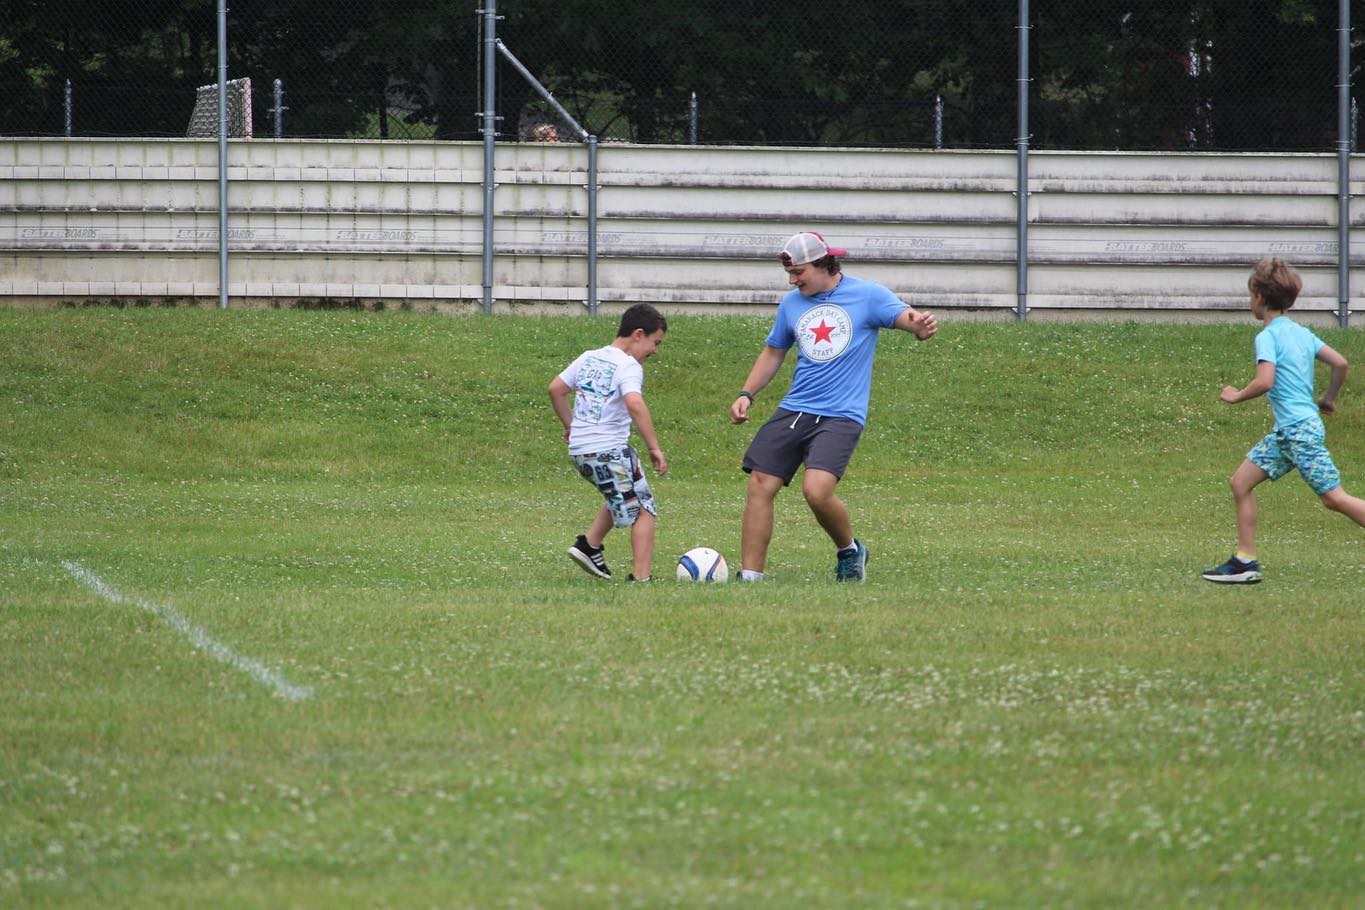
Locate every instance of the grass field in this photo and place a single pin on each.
(287, 621)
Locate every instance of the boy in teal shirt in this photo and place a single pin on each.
(1285, 356)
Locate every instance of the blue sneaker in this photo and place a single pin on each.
(1235, 572)
(852, 564)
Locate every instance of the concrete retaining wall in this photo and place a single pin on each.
(687, 227)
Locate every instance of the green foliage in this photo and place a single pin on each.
(393, 126)
(1165, 74)
(1034, 701)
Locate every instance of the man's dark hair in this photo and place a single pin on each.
(828, 263)
(641, 316)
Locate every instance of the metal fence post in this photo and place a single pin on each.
(591, 142)
(692, 120)
(938, 121)
(490, 104)
(1021, 255)
(222, 158)
(66, 108)
(1344, 165)
(592, 225)
(278, 110)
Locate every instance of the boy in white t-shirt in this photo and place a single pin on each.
(606, 384)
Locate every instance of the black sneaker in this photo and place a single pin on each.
(852, 564)
(589, 557)
(1234, 572)
(649, 579)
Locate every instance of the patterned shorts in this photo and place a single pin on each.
(1299, 445)
(618, 477)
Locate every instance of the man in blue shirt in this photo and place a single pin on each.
(1286, 354)
(832, 320)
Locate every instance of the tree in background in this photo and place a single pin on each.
(1186, 74)
(1157, 74)
(1273, 72)
(130, 64)
(793, 74)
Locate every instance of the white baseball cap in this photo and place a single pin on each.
(809, 246)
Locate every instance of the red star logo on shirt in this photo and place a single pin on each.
(822, 332)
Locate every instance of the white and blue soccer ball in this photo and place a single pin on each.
(702, 564)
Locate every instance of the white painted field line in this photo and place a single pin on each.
(197, 636)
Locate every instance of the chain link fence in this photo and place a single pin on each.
(1214, 75)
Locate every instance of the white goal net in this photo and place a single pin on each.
(204, 120)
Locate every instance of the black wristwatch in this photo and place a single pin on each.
(747, 394)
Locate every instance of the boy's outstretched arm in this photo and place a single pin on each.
(1328, 402)
(1265, 378)
(644, 425)
(559, 400)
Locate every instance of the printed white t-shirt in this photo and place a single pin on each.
(601, 379)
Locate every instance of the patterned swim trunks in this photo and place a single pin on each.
(617, 475)
(1300, 445)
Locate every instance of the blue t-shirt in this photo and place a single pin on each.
(1294, 350)
(835, 334)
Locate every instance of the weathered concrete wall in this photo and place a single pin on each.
(692, 227)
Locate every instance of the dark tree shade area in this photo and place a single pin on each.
(1104, 74)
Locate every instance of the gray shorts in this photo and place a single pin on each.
(792, 438)
(619, 478)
